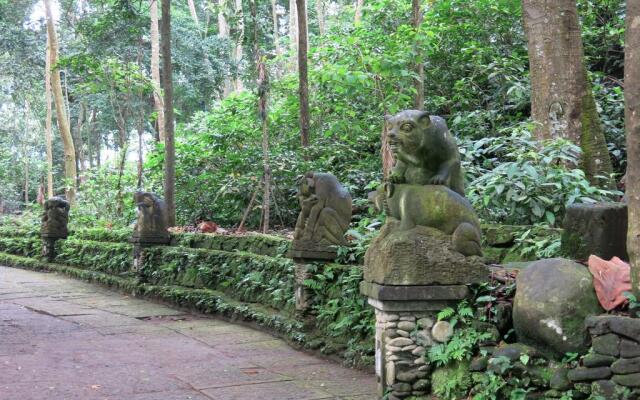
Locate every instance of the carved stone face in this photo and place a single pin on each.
(55, 218)
(405, 130)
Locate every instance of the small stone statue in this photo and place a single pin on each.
(425, 151)
(324, 217)
(55, 219)
(54, 225)
(151, 226)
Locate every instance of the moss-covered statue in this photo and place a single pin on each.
(55, 219)
(324, 217)
(152, 221)
(432, 234)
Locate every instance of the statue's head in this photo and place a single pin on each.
(55, 218)
(406, 130)
(152, 218)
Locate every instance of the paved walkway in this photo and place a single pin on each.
(65, 339)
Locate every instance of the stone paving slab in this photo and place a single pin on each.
(62, 339)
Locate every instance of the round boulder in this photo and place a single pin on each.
(553, 298)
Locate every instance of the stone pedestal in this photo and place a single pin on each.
(301, 292)
(406, 328)
(49, 248)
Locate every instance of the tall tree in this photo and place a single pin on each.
(632, 123)
(61, 112)
(169, 144)
(320, 16)
(418, 100)
(358, 12)
(194, 13)
(224, 33)
(303, 80)
(155, 70)
(238, 51)
(47, 130)
(562, 102)
(276, 27)
(293, 27)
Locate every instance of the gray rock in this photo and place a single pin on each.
(626, 366)
(390, 370)
(589, 374)
(403, 333)
(559, 380)
(407, 376)
(552, 300)
(629, 348)
(599, 229)
(393, 349)
(605, 389)
(630, 380)
(625, 326)
(401, 387)
(406, 325)
(425, 323)
(409, 348)
(391, 333)
(478, 364)
(400, 342)
(421, 384)
(597, 360)
(442, 331)
(418, 351)
(407, 318)
(608, 344)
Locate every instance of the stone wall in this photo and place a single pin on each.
(612, 367)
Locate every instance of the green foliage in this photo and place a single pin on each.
(341, 312)
(110, 258)
(246, 277)
(517, 180)
(266, 245)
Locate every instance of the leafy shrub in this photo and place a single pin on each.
(518, 180)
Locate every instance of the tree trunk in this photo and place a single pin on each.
(25, 152)
(140, 150)
(320, 16)
(155, 70)
(562, 101)
(48, 128)
(224, 33)
(632, 123)
(78, 140)
(302, 72)
(237, 53)
(194, 14)
(418, 100)
(90, 137)
(263, 93)
(61, 112)
(293, 27)
(169, 146)
(358, 14)
(276, 34)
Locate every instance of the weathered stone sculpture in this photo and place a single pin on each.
(54, 225)
(152, 223)
(324, 217)
(426, 254)
(425, 151)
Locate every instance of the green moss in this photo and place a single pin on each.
(102, 235)
(267, 245)
(452, 381)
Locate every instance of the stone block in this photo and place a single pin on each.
(629, 348)
(589, 374)
(597, 360)
(599, 229)
(629, 380)
(607, 344)
(626, 366)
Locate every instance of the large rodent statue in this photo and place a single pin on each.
(436, 206)
(426, 153)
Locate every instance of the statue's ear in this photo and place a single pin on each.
(424, 119)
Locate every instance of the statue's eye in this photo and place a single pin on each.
(406, 127)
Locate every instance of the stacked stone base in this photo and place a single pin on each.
(613, 365)
(405, 330)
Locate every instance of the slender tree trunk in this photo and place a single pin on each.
(169, 147)
(358, 14)
(293, 27)
(302, 72)
(562, 101)
(25, 152)
(320, 16)
(276, 33)
(78, 140)
(224, 33)
(155, 70)
(632, 123)
(418, 100)
(263, 93)
(61, 112)
(238, 51)
(194, 14)
(48, 128)
(140, 150)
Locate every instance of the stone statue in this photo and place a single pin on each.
(324, 217)
(55, 219)
(425, 151)
(432, 234)
(152, 223)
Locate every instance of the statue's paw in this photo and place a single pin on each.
(438, 180)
